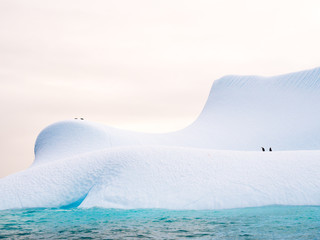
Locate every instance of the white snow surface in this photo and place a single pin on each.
(214, 163)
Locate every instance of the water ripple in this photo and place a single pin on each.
(274, 222)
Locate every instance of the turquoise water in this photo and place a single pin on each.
(274, 222)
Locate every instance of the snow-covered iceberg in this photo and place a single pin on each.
(214, 163)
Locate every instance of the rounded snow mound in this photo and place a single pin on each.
(214, 163)
(167, 177)
(241, 113)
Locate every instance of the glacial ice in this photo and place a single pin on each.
(214, 163)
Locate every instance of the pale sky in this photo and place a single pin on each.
(137, 64)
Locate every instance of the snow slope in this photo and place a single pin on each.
(214, 163)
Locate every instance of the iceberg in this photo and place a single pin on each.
(214, 163)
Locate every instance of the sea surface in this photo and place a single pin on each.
(272, 222)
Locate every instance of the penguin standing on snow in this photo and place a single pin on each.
(270, 149)
(262, 149)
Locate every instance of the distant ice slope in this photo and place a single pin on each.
(214, 163)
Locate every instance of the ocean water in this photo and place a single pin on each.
(273, 222)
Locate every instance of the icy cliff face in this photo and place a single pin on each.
(245, 112)
(200, 167)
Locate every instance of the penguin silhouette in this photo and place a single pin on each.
(81, 118)
(262, 149)
(270, 149)
(75, 118)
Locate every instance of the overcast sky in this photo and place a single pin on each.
(136, 64)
